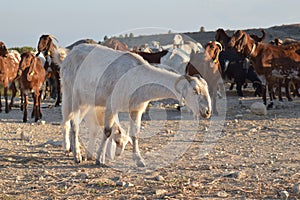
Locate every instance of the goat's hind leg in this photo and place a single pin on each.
(108, 124)
(75, 138)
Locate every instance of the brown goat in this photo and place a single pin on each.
(222, 37)
(264, 57)
(208, 67)
(8, 71)
(115, 44)
(32, 76)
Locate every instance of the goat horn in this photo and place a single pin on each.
(187, 77)
(219, 44)
(53, 37)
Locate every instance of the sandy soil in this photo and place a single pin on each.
(249, 157)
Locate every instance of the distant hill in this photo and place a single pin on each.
(284, 31)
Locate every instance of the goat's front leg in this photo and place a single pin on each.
(135, 125)
(13, 94)
(25, 107)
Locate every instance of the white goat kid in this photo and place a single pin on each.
(93, 75)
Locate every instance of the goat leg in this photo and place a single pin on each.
(13, 95)
(39, 105)
(239, 89)
(0, 103)
(279, 90)
(6, 100)
(25, 108)
(287, 89)
(100, 160)
(135, 124)
(75, 139)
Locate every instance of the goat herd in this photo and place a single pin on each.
(112, 78)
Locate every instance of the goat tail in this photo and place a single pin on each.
(59, 55)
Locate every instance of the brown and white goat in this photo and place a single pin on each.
(207, 66)
(32, 76)
(48, 48)
(8, 71)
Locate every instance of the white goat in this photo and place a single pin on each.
(176, 59)
(177, 41)
(97, 76)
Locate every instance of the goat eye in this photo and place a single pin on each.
(195, 92)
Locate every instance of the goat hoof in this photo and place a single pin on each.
(68, 153)
(98, 163)
(24, 120)
(78, 159)
(270, 106)
(290, 99)
(140, 163)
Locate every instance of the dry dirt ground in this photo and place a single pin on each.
(250, 157)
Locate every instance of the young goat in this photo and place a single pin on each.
(94, 75)
(32, 76)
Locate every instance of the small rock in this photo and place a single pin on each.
(258, 108)
(54, 143)
(239, 116)
(19, 131)
(159, 178)
(297, 188)
(196, 185)
(237, 175)
(128, 184)
(120, 183)
(253, 130)
(160, 192)
(284, 194)
(73, 173)
(168, 131)
(83, 176)
(222, 194)
(41, 122)
(24, 136)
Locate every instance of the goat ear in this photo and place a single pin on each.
(241, 42)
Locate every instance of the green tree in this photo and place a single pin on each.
(131, 35)
(105, 37)
(23, 49)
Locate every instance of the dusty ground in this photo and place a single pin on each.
(251, 157)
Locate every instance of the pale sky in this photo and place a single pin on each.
(23, 22)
